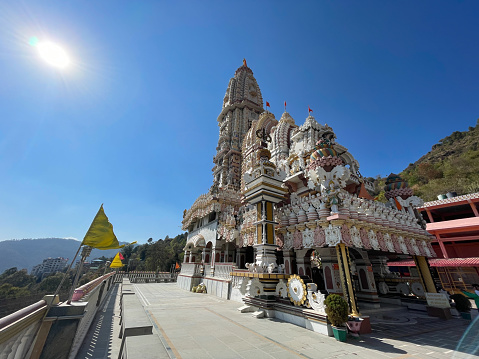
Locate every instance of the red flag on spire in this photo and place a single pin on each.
(121, 257)
(267, 104)
(285, 105)
(309, 110)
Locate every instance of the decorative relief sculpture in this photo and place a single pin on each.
(345, 235)
(308, 237)
(296, 290)
(333, 235)
(355, 237)
(373, 240)
(364, 238)
(319, 239)
(298, 240)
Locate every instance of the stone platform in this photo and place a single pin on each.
(193, 325)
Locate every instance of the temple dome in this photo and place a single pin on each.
(324, 155)
(396, 186)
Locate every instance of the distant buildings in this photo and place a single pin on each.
(49, 266)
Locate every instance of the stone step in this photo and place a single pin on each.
(258, 314)
(246, 309)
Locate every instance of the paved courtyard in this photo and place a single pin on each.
(194, 325)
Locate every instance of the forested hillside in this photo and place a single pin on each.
(451, 165)
(152, 256)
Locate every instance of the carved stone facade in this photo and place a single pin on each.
(318, 203)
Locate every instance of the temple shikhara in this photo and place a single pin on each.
(289, 219)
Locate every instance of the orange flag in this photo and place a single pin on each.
(177, 266)
(398, 205)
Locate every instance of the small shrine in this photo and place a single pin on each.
(289, 219)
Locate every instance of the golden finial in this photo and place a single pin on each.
(244, 63)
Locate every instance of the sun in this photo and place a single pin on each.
(53, 54)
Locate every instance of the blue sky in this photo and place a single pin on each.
(132, 122)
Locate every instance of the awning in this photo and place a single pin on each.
(440, 262)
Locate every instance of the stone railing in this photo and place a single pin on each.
(223, 270)
(92, 296)
(147, 277)
(18, 330)
(191, 268)
(24, 333)
(82, 291)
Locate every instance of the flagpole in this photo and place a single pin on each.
(66, 273)
(85, 253)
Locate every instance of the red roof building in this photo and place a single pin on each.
(454, 221)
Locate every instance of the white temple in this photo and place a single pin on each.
(289, 219)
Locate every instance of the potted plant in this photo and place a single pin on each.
(337, 310)
(463, 305)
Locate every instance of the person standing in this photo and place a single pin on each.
(474, 295)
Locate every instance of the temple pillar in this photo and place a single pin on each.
(346, 278)
(425, 274)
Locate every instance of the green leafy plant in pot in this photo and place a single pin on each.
(337, 310)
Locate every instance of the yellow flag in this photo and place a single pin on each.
(116, 263)
(100, 234)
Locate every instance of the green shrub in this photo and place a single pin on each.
(337, 309)
(462, 303)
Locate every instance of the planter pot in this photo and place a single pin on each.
(340, 333)
(441, 196)
(451, 194)
(465, 315)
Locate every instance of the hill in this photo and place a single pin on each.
(452, 165)
(26, 253)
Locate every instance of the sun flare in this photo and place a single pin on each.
(53, 54)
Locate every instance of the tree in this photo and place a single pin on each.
(51, 283)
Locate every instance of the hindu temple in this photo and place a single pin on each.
(289, 219)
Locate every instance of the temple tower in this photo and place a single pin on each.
(242, 105)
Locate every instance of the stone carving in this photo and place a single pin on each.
(389, 243)
(397, 246)
(381, 242)
(288, 242)
(254, 288)
(319, 238)
(296, 290)
(282, 289)
(298, 240)
(316, 301)
(355, 237)
(308, 236)
(373, 240)
(364, 238)
(345, 235)
(402, 245)
(333, 235)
